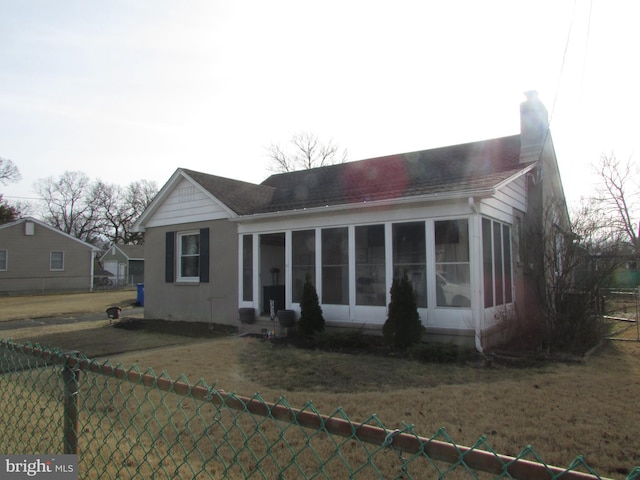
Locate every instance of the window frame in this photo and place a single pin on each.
(51, 260)
(179, 256)
(4, 260)
(497, 241)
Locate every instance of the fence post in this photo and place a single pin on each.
(71, 378)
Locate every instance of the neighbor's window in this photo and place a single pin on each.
(247, 268)
(56, 261)
(303, 252)
(3, 260)
(409, 256)
(189, 256)
(452, 263)
(496, 261)
(370, 265)
(335, 266)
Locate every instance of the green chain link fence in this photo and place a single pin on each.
(128, 423)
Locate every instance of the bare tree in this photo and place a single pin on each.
(66, 206)
(120, 208)
(303, 152)
(9, 173)
(618, 197)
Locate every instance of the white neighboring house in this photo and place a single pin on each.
(464, 222)
(124, 263)
(38, 258)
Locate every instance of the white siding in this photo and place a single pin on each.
(185, 204)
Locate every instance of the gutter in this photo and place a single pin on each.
(434, 197)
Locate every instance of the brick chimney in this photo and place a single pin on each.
(534, 126)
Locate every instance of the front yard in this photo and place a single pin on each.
(562, 409)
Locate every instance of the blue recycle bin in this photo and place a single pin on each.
(140, 297)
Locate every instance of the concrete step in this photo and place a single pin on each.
(262, 326)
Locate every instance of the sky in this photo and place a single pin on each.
(125, 90)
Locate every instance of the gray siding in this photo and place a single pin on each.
(215, 301)
(28, 261)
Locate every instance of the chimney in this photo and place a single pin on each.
(534, 126)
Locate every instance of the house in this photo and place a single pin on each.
(124, 264)
(36, 257)
(465, 222)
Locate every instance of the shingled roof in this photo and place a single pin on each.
(458, 168)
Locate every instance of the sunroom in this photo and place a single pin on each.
(460, 267)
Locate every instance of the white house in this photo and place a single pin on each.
(464, 222)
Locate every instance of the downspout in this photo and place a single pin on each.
(92, 258)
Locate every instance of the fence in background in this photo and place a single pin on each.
(621, 310)
(61, 283)
(133, 424)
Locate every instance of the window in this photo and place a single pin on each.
(370, 266)
(409, 256)
(496, 261)
(56, 261)
(452, 263)
(303, 250)
(188, 253)
(189, 256)
(3, 260)
(247, 268)
(335, 266)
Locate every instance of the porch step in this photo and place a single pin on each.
(262, 326)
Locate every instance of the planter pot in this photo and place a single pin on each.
(247, 315)
(286, 318)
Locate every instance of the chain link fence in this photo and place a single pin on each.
(134, 424)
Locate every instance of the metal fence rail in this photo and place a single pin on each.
(621, 311)
(129, 423)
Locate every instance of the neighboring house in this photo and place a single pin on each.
(464, 222)
(124, 263)
(36, 257)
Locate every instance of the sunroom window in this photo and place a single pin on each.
(370, 265)
(335, 266)
(452, 263)
(303, 251)
(496, 261)
(409, 257)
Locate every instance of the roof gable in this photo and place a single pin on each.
(49, 227)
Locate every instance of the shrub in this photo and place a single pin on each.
(402, 328)
(311, 319)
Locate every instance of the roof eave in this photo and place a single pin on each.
(433, 197)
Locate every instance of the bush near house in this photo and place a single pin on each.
(402, 328)
(311, 319)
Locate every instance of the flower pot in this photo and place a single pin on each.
(286, 318)
(247, 315)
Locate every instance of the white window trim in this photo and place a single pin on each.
(179, 276)
(51, 269)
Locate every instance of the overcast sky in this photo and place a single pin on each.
(133, 89)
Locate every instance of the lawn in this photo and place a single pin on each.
(562, 409)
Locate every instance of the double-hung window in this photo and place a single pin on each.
(189, 257)
(56, 261)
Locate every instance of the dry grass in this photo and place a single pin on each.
(39, 306)
(562, 410)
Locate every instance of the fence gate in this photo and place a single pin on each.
(621, 312)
